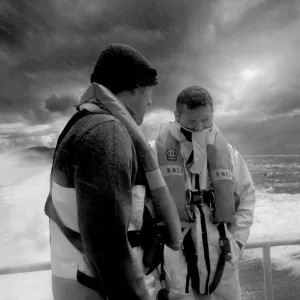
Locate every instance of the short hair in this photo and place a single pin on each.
(193, 97)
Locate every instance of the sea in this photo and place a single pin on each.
(24, 235)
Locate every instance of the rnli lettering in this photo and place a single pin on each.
(171, 154)
(171, 170)
(221, 174)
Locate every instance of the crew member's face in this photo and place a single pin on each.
(196, 119)
(142, 100)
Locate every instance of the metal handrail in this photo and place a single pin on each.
(26, 268)
(267, 263)
(265, 245)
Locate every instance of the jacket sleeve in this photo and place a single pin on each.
(104, 175)
(245, 191)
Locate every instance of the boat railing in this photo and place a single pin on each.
(267, 263)
(265, 245)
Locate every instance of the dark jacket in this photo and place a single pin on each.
(97, 158)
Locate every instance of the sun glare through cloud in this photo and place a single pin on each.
(249, 73)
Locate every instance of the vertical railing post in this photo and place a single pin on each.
(268, 272)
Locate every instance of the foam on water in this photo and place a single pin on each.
(276, 217)
(27, 286)
(24, 233)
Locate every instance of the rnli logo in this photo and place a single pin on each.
(221, 174)
(171, 154)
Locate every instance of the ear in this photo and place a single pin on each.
(176, 114)
(132, 92)
(140, 91)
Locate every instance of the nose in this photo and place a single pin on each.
(200, 126)
(150, 101)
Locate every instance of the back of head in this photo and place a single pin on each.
(122, 68)
(193, 97)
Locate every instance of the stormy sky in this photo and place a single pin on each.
(245, 52)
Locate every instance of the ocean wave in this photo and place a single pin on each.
(269, 189)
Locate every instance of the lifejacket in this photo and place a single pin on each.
(205, 267)
(219, 164)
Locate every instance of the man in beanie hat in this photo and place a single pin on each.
(215, 198)
(103, 168)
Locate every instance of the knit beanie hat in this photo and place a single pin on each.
(121, 68)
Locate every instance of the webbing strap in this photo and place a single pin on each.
(218, 274)
(192, 274)
(190, 248)
(205, 247)
(190, 253)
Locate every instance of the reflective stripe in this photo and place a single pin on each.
(155, 179)
(138, 200)
(221, 174)
(168, 170)
(64, 201)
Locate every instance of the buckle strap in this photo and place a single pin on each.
(89, 282)
(198, 197)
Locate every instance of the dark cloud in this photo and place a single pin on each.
(59, 37)
(65, 34)
(281, 102)
(61, 104)
(273, 135)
